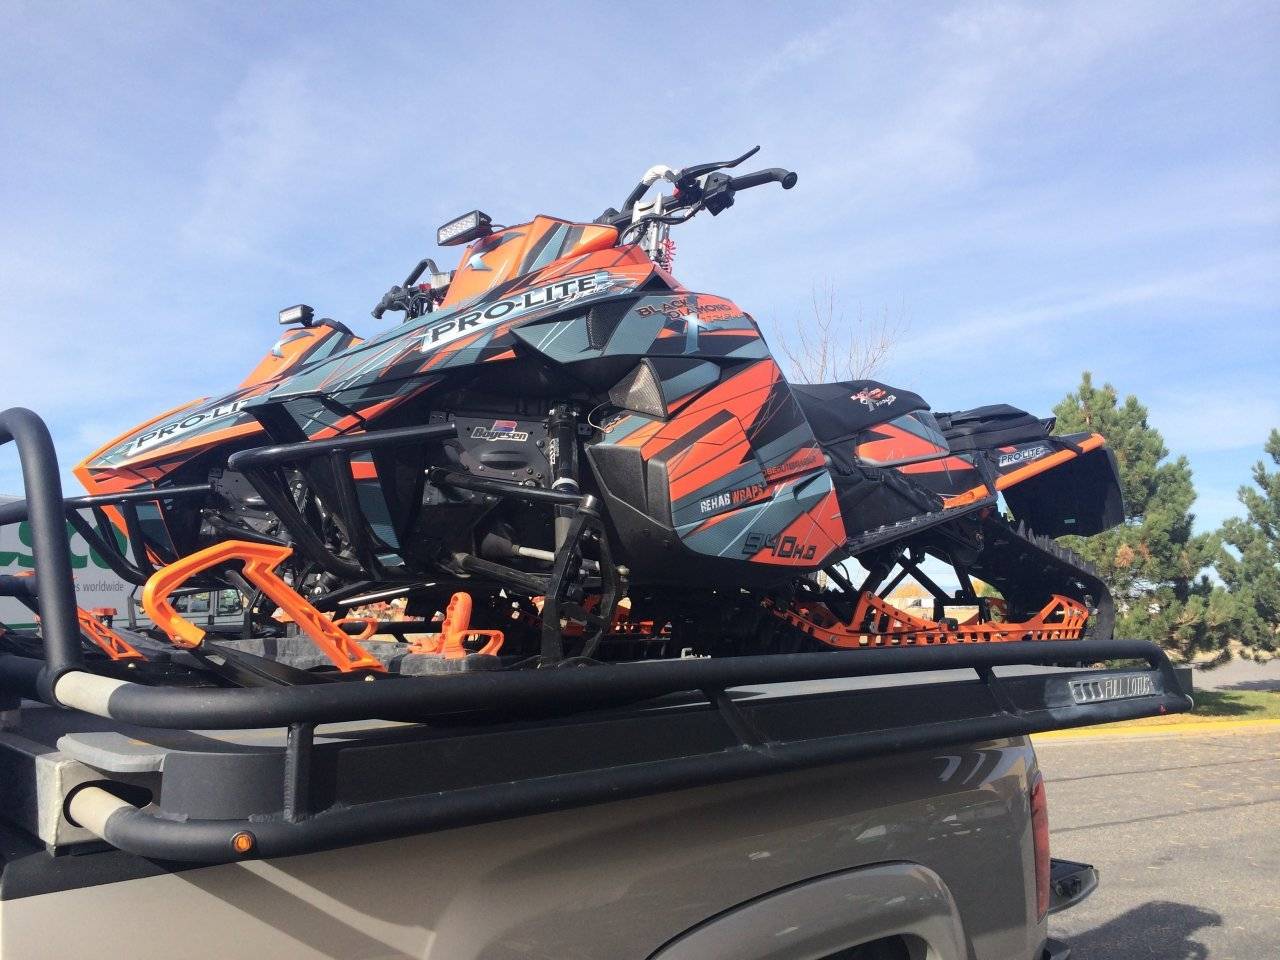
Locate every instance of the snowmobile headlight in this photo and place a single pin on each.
(300, 313)
(471, 226)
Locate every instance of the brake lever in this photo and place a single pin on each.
(690, 174)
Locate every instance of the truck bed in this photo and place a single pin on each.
(615, 880)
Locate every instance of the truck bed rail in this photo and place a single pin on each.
(414, 754)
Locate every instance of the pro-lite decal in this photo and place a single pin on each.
(446, 331)
(177, 428)
(1022, 456)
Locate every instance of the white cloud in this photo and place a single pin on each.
(799, 51)
(942, 108)
(1207, 416)
(286, 139)
(1251, 278)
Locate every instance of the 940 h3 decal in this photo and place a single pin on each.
(787, 548)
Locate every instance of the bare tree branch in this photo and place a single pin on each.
(826, 346)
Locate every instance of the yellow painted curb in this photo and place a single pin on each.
(1156, 729)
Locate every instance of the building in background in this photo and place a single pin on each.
(97, 587)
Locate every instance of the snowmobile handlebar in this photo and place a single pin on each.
(686, 180)
(687, 175)
(697, 187)
(409, 296)
(787, 178)
(389, 301)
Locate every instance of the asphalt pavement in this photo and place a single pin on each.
(1185, 831)
(1240, 675)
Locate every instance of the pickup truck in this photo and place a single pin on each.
(790, 809)
(879, 804)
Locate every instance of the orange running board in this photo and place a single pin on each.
(260, 561)
(104, 638)
(877, 623)
(109, 642)
(456, 628)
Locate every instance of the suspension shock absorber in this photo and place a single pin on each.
(562, 456)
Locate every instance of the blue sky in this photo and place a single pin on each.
(1036, 188)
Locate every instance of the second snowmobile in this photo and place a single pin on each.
(562, 453)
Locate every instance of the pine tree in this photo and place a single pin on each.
(1252, 569)
(1153, 562)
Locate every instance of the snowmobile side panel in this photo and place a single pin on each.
(735, 474)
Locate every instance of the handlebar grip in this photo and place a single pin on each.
(388, 302)
(773, 174)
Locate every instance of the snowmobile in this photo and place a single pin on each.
(561, 454)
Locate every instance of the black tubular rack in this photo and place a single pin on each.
(405, 755)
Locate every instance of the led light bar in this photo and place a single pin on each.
(464, 229)
(300, 313)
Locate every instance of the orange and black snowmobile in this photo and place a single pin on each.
(563, 453)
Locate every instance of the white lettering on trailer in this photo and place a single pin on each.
(96, 584)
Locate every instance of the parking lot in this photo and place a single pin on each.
(1185, 830)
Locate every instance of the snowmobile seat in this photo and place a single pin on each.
(997, 425)
(870, 497)
(846, 407)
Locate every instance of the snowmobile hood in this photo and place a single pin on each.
(473, 331)
(151, 449)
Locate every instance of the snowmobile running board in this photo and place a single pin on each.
(418, 754)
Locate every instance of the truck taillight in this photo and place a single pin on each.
(1040, 843)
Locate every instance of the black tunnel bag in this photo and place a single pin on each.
(996, 425)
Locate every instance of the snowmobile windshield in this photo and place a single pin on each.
(512, 252)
